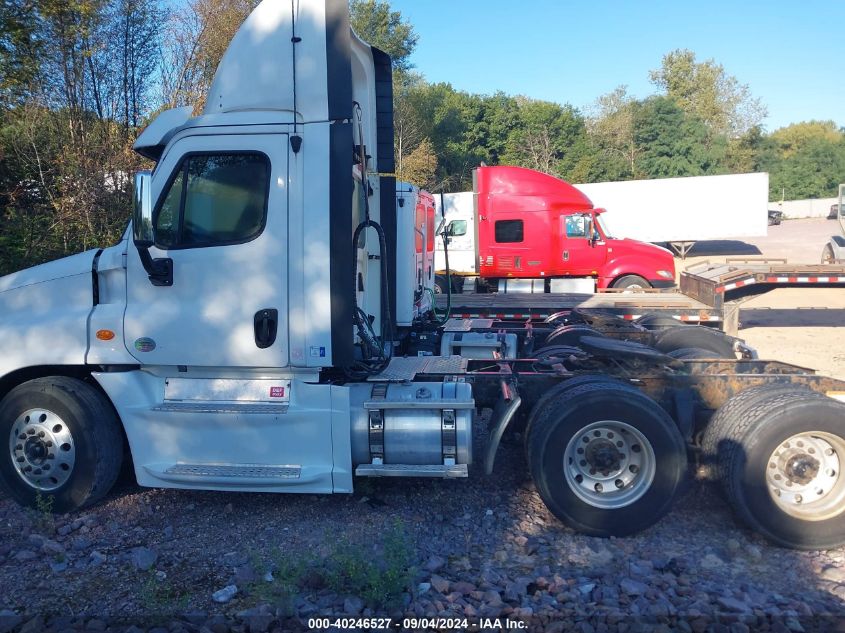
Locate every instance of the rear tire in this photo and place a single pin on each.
(657, 321)
(569, 335)
(779, 452)
(690, 353)
(626, 480)
(631, 282)
(697, 336)
(65, 443)
(441, 285)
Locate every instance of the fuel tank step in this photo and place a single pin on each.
(411, 470)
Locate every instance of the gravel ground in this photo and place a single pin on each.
(479, 548)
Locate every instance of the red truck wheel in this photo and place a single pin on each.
(631, 282)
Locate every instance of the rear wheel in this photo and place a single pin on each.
(690, 353)
(606, 459)
(441, 285)
(570, 335)
(631, 282)
(779, 452)
(657, 321)
(64, 443)
(695, 336)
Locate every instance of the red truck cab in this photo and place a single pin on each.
(531, 225)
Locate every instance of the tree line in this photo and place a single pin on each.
(80, 78)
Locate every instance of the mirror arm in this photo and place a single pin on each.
(159, 271)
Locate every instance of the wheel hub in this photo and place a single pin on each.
(803, 476)
(802, 469)
(42, 449)
(609, 464)
(603, 456)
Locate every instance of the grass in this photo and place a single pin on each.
(378, 575)
(161, 596)
(43, 513)
(380, 580)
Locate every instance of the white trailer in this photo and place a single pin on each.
(683, 211)
(242, 336)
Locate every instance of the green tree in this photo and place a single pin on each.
(670, 142)
(610, 126)
(804, 160)
(706, 91)
(20, 50)
(377, 24)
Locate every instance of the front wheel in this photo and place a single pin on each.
(606, 459)
(631, 282)
(64, 443)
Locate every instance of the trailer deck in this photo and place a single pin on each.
(628, 305)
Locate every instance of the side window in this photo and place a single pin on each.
(576, 226)
(457, 228)
(508, 231)
(214, 199)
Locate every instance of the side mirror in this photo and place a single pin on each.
(142, 215)
(160, 271)
(457, 228)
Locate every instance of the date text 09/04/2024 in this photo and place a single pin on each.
(439, 624)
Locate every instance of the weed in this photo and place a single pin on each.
(43, 514)
(162, 596)
(287, 573)
(380, 581)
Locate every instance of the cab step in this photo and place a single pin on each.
(412, 470)
(229, 474)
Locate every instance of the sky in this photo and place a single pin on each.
(790, 53)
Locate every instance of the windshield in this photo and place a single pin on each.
(603, 225)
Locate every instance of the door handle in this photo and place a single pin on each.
(266, 325)
(566, 256)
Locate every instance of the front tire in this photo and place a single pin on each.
(606, 459)
(631, 282)
(64, 443)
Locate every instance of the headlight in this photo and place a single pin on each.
(665, 274)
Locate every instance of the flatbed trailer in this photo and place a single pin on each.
(725, 286)
(627, 305)
(710, 293)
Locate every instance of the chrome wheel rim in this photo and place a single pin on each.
(42, 449)
(609, 464)
(803, 476)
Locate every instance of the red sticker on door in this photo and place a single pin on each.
(277, 392)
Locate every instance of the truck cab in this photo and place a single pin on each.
(531, 226)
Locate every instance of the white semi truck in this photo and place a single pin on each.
(263, 326)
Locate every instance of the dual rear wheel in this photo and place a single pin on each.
(608, 461)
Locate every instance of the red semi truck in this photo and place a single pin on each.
(523, 230)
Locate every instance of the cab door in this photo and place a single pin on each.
(583, 252)
(220, 214)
